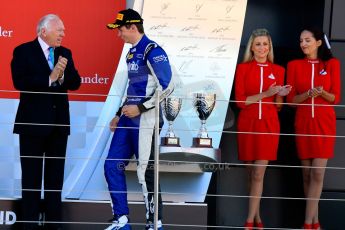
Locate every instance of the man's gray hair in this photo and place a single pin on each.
(44, 22)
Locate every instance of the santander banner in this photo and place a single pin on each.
(95, 49)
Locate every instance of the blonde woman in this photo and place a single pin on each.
(259, 91)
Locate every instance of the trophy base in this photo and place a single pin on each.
(170, 141)
(202, 142)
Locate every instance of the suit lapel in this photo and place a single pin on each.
(40, 55)
(57, 53)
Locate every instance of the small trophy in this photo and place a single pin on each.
(171, 108)
(204, 104)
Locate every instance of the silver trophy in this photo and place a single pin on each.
(171, 107)
(203, 104)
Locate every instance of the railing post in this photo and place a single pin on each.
(156, 163)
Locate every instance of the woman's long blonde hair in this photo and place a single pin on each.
(248, 54)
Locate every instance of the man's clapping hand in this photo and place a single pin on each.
(59, 69)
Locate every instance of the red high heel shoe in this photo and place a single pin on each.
(307, 226)
(249, 225)
(258, 225)
(316, 226)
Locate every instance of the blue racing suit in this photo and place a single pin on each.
(148, 69)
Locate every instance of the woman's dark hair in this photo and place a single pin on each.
(323, 52)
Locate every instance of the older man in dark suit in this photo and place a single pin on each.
(43, 71)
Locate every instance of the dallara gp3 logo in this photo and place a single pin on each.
(160, 58)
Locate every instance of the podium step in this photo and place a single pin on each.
(94, 215)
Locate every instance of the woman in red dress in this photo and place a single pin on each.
(258, 90)
(315, 82)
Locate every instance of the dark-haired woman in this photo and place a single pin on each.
(315, 82)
